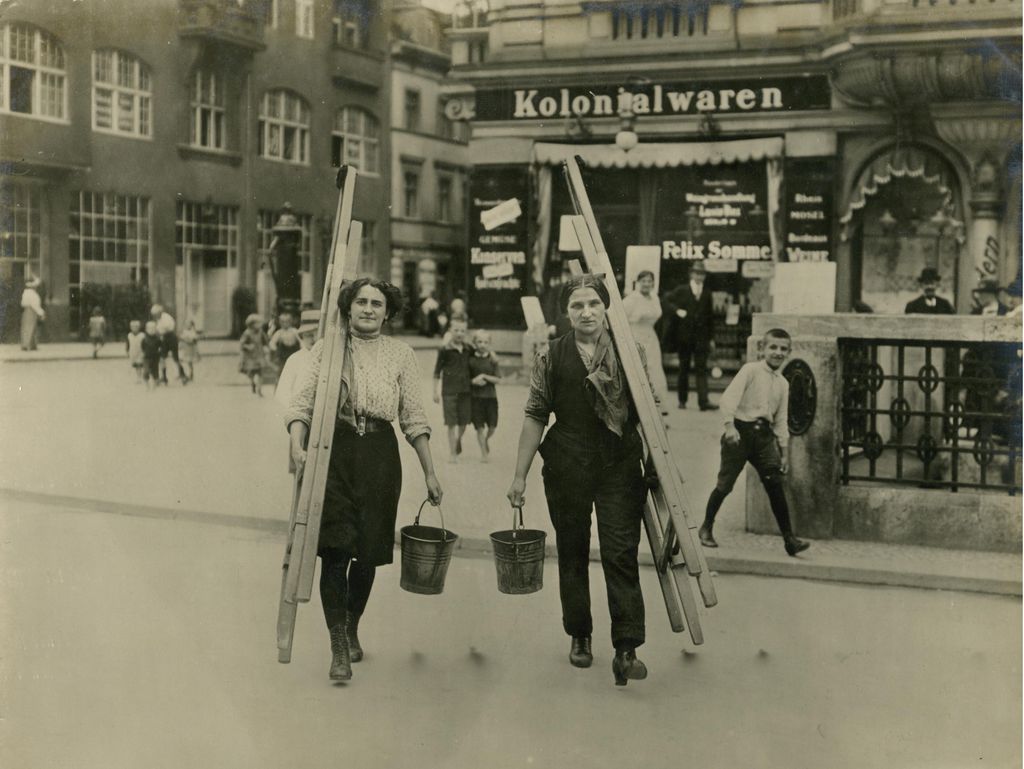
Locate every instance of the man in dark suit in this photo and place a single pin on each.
(928, 303)
(689, 307)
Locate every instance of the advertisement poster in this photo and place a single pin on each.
(810, 209)
(498, 244)
(716, 214)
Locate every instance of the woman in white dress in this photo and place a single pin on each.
(643, 310)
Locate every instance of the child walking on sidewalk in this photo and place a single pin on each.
(755, 409)
(188, 352)
(452, 387)
(483, 375)
(133, 346)
(97, 331)
(253, 345)
(152, 354)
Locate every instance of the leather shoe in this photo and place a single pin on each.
(794, 545)
(579, 654)
(626, 666)
(709, 407)
(341, 661)
(682, 405)
(706, 537)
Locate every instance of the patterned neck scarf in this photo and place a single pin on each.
(608, 390)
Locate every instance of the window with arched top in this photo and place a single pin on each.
(33, 80)
(355, 140)
(284, 127)
(121, 94)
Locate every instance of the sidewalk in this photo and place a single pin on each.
(226, 468)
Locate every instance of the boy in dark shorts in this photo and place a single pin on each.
(452, 387)
(755, 409)
(483, 375)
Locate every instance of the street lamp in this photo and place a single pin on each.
(284, 261)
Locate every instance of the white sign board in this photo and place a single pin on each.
(804, 288)
(722, 265)
(503, 213)
(567, 239)
(757, 269)
(532, 311)
(638, 259)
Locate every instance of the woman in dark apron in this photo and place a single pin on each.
(380, 383)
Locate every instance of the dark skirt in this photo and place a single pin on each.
(361, 501)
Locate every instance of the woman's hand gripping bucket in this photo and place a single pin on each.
(426, 553)
(519, 557)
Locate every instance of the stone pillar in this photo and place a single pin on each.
(984, 134)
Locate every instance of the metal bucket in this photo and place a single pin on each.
(426, 553)
(519, 557)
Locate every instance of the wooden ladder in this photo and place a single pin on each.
(309, 486)
(672, 538)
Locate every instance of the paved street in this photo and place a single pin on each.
(140, 542)
(132, 642)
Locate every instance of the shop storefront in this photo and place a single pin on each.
(741, 205)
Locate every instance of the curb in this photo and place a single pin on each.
(479, 547)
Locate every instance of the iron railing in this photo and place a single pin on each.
(931, 413)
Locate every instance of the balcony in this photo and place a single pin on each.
(357, 69)
(221, 21)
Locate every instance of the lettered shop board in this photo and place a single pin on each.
(804, 288)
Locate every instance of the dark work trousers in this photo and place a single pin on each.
(344, 585)
(759, 446)
(699, 354)
(617, 492)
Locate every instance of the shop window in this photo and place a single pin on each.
(32, 74)
(265, 222)
(108, 227)
(284, 127)
(206, 128)
(206, 228)
(121, 97)
(355, 140)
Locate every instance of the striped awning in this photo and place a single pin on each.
(666, 155)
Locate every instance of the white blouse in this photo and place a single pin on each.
(386, 385)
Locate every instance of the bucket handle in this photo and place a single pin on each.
(516, 528)
(418, 512)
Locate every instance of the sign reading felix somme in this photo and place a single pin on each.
(779, 94)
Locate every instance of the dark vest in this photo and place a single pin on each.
(578, 434)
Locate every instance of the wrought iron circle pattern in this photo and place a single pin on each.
(928, 378)
(900, 415)
(926, 448)
(803, 396)
(874, 377)
(984, 451)
(873, 445)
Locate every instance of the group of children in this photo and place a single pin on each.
(261, 347)
(147, 351)
(464, 379)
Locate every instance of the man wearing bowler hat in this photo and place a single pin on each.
(929, 303)
(693, 320)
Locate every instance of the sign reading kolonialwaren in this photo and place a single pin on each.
(781, 94)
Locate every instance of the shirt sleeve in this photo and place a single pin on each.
(539, 402)
(440, 364)
(780, 424)
(730, 400)
(411, 416)
(300, 408)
